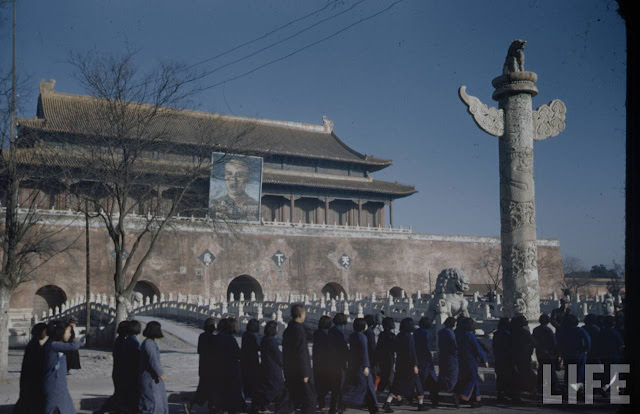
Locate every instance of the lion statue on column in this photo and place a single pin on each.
(449, 293)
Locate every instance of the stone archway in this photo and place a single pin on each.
(396, 292)
(144, 289)
(333, 289)
(48, 297)
(245, 284)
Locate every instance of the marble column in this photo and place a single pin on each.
(517, 125)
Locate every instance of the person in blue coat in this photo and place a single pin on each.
(359, 387)
(385, 355)
(56, 393)
(322, 360)
(546, 351)
(370, 333)
(522, 348)
(470, 354)
(406, 382)
(151, 378)
(337, 360)
(31, 395)
(611, 348)
(448, 358)
(230, 381)
(206, 367)
(574, 344)
(501, 344)
(271, 387)
(593, 329)
(426, 367)
(250, 358)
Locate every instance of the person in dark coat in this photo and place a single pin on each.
(131, 366)
(56, 393)
(359, 388)
(230, 378)
(522, 348)
(448, 358)
(31, 394)
(426, 367)
(297, 363)
(546, 351)
(322, 359)
(338, 355)
(116, 401)
(370, 333)
(250, 358)
(470, 354)
(503, 359)
(593, 329)
(385, 355)
(611, 348)
(271, 385)
(558, 314)
(206, 367)
(153, 394)
(406, 382)
(73, 357)
(574, 344)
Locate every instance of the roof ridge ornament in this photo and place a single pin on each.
(327, 124)
(47, 86)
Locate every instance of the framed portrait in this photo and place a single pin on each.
(235, 187)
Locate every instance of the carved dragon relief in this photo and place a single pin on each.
(490, 120)
(548, 120)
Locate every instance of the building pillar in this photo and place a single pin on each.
(326, 210)
(391, 214)
(292, 209)
(359, 212)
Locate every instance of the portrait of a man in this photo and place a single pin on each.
(235, 185)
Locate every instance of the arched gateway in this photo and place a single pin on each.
(245, 284)
(333, 289)
(48, 297)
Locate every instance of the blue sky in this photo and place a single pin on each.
(390, 85)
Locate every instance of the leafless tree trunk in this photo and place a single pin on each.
(491, 265)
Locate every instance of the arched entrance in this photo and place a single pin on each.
(333, 289)
(396, 292)
(146, 289)
(48, 297)
(245, 284)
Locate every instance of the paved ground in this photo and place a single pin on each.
(91, 385)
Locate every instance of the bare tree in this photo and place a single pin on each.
(119, 145)
(491, 266)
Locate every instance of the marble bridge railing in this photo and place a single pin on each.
(194, 308)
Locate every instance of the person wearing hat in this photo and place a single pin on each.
(558, 314)
(153, 394)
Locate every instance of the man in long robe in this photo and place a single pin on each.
(297, 363)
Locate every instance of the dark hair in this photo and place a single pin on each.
(388, 324)
(230, 326)
(209, 325)
(519, 321)
(72, 320)
(407, 325)
(122, 328)
(253, 326)
(56, 330)
(450, 322)
(370, 320)
(339, 319)
(271, 328)
(467, 324)
(38, 329)
(359, 324)
(153, 330)
(297, 309)
(503, 324)
(425, 322)
(324, 322)
(544, 319)
(133, 328)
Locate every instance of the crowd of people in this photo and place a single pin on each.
(349, 370)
